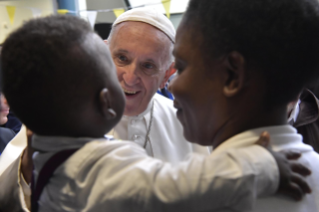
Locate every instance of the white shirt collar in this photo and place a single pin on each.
(281, 137)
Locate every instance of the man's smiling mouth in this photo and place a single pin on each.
(130, 93)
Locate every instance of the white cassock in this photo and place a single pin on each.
(165, 140)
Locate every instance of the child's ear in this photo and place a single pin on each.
(235, 74)
(104, 104)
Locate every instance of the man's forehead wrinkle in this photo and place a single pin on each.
(122, 51)
(145, 55)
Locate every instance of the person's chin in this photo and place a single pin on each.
(132, 108)
(188, 136)
(3, 120)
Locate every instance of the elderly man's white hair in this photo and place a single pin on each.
(152, 17)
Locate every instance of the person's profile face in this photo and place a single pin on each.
(197, 89)
(140, 53)
(4, 110)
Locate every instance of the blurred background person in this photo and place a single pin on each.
(6, 134)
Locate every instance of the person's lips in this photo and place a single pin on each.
(130, 93)
(4, 111)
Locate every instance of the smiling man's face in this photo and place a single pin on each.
(142, 55)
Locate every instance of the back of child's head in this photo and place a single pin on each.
(279, 38)
(53, 70)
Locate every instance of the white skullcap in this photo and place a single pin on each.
(149, 16)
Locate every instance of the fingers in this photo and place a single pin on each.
(296, 188)
(299, 169)
(301, 183)
(29, 136)
(29, 132)
(291, 154)
(293, 190)
(264, 139)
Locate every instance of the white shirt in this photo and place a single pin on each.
(281, 138)
(120, 176)
(166, 140)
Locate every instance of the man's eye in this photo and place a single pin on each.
(148, 65)
(122, 58)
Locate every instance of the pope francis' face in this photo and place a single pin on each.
(141, 54)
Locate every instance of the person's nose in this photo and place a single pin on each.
(130, 75)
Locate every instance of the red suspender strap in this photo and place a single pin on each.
(45, 174)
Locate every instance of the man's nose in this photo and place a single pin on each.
(130, 75)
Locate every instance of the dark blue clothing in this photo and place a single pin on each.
(5, 136)
(166, 93)
(13, 123)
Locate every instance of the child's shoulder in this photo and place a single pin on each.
(102, 154)
(103, 149)
(105, 146)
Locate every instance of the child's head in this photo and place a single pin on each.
(59, 78)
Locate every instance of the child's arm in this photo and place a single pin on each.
(233, 180)
(131, 181)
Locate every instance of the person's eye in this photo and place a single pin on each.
(179, 70)
(148, 65)
(122, 58)
(179, 66)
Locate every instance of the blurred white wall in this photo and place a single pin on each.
(177, 6)
(23, 12)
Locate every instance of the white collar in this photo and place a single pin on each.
(281, 137)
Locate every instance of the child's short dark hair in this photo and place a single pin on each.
(279, 37)
(44, 73)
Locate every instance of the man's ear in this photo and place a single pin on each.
(169, 72)
(104, 104)
(234, 74)
(105, 41)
